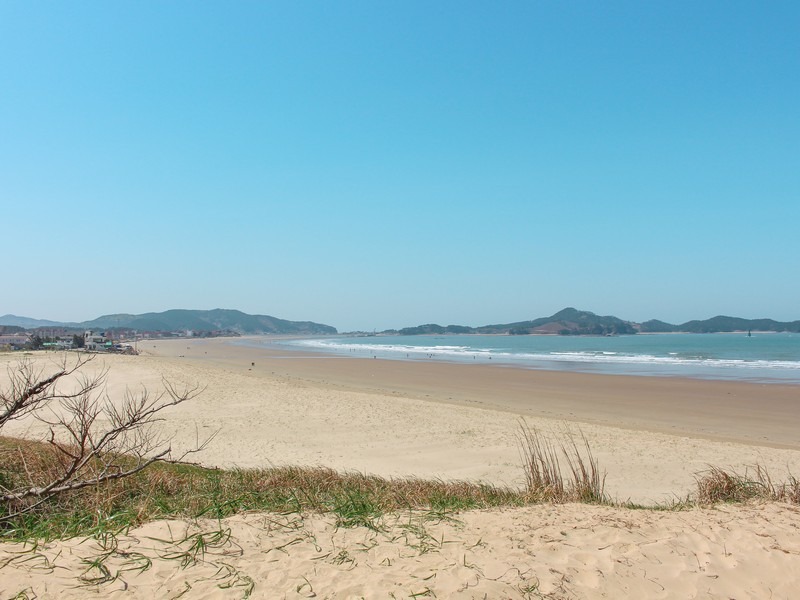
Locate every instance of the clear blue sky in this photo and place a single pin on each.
(385, 164)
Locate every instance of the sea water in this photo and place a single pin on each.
(763, 357)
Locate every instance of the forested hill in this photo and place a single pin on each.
(566, 322)
(194, 320)
(721, 324)
(571, 321)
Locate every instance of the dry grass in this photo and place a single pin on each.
(168, 490)
(718, 485)
(564, 470)
(541, 460)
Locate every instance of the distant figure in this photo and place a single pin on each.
(253, 364)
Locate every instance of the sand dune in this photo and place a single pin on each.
(568, 551)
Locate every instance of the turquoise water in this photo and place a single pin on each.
(767, 357)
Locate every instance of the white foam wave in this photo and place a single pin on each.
(468, 352)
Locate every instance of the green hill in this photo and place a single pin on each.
(727, 324)
(208, 320)
(656, 326)
(571, 321)
(203, 320)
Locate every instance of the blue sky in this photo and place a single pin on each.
(385, 164)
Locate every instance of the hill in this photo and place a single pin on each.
(571, 321)
(28, 323)
(194, 320)
(656, 326)
(721, 323)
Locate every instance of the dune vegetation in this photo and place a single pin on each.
(187, 491)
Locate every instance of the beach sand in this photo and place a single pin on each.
(567, 551)
(453, 421)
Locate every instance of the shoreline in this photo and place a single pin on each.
(763, 414)
(602, 360)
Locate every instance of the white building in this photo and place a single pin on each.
(95, 341)
(15, 340)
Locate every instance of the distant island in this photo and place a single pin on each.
(571, 321)
(219, 322)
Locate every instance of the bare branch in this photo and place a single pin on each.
(94, 439)
(54, 488)
(28, 390)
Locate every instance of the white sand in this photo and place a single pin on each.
(568, 551)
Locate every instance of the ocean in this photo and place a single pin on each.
(764, 357)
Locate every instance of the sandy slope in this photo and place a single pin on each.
(569, 551)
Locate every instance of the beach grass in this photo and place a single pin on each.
(541, 461)
(718, 485)
(176, 490)
(187, 491)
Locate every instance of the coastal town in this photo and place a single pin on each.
(62, 339)
(118, 341)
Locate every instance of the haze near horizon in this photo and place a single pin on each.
(372, 166)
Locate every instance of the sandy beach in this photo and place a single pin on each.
(451, 421)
